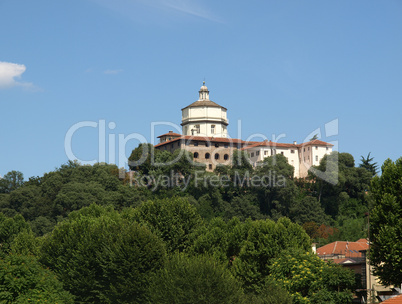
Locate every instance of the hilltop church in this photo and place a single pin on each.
(204, 133)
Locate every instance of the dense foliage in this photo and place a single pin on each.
(386, 223)
(236, 235)
(311, 280)
(24, 280)
(102, 257)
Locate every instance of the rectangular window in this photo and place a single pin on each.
(282, 153)
(196, 143)
(304, 149)
(316, 147)
(252, 154)
(265, 152)
(197, 129)
(308, 148)
(217, 145)
(292, 151)
(206, 144)
(327, 148)
(316, 157)
(257, 153)
(226, 146)
(212, 129)
(178, 143)
(210, 167)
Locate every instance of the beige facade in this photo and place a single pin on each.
(211, 151)
(301, 156)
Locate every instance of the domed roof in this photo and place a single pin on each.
(204, 101)
(204, 87)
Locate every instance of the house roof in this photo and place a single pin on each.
(393, 300)
(266, 143)
(348, 249)
(170, 133)
(315, 142)
(208, 139)
(273, 144)
(204, 103)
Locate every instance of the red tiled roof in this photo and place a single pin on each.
(348, 249)
(169, 134)
(209, 139)
(266, 143)
(315, 142)
(394, 300)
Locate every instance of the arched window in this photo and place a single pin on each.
(195, 154)
(226, 157)
(207, 155)
(217, 156)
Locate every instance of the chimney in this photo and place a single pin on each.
(295, 142)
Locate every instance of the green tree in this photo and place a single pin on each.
(28, 201)
(278, 191)
(386, 223)
(269, 293)
(23, 280)
(241, 162)
(11, 181)
(174, 220)
(368, 164)
(194, 280)
(244, 206)
(141, 158)
(307, 209)
(76, 195)
(343, 181)
(264, 241)
(9, 229)
(311, 280)
(102, 257)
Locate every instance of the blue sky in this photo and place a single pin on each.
(281, 67)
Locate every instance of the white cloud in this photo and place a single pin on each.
(112, 72)
(167, 7)
(9, 73)
(190, 8)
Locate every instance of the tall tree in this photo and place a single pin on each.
(141, 158)
(386, 223)
(368, 164)
(11, 181)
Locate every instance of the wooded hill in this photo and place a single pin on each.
(87, 234)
